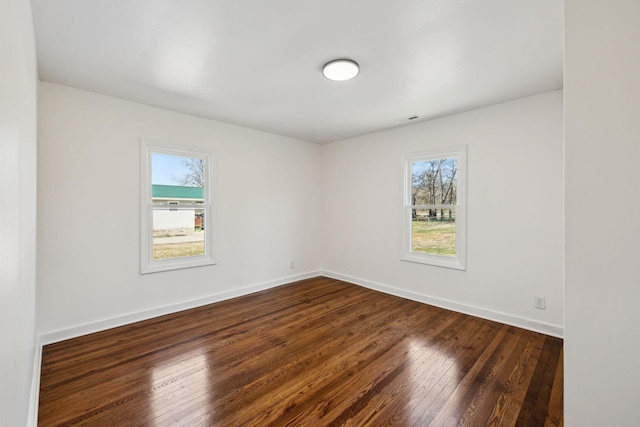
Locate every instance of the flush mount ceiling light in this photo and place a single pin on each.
(340, 70)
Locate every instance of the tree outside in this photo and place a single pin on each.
(193, 173)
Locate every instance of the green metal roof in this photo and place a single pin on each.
(177, 192)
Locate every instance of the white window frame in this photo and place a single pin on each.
(147, 263)
(459, 261)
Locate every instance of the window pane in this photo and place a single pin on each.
(434, 181)
(174, 170)
(433, 232)
(177, 180)
(178, 233)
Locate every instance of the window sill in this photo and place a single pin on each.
(435, 260)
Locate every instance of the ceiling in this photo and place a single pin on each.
(258, 63)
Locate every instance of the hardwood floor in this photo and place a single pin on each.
(313, 353)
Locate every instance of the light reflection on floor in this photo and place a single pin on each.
(433, 371)
(180, 387)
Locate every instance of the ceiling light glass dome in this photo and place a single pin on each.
(340, 70)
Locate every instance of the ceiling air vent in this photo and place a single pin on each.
(406, 119)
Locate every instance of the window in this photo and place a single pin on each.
(176, 215)
(433, 216)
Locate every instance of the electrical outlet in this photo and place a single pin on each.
(292, 264)
(539, 302)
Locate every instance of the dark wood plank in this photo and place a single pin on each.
(555, 415)
(315, 352)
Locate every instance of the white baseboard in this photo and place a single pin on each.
(102, 325)
(508, 319)
(32, 420)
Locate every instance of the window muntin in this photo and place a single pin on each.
(434, 208)
(176, 208)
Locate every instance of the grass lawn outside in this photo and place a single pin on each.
(434, 237)
(178, 250)
(427, 237)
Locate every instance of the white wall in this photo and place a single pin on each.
(18, 86)
(268, 208)
(515, 199)
(602, 284)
